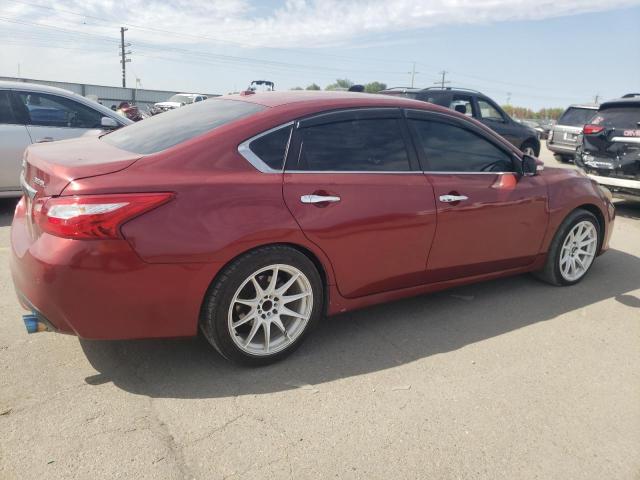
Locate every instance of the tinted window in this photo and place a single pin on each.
(576, 117)
(176, 126)
(272, 147)
(357, 145)
(6, 115)
(489, 112)
(448, 148)
(622, 117)
(48, 110)
(462, 104)
(439, 98)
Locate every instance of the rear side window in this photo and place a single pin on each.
(6, 115)
(576, 117)
(368, 145)
(449, 148)
(168, 129)
(271, 147)
(622, 117)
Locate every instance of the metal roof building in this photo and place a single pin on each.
(109, 95)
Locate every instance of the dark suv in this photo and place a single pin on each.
(477, 105)
(610, 148)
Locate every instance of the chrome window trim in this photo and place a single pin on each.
(378, 172)
(257, 162)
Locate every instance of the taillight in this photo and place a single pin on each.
(93, 216)
(590, 129)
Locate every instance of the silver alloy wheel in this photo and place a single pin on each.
(578, 250)
(270, 310)
(529, 151)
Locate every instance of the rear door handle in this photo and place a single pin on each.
(452, 198)
(319, 199)
(44, 139)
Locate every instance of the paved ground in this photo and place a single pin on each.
(510, 379)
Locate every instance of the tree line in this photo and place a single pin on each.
(345, 84)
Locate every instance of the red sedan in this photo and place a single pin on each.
(251, 217)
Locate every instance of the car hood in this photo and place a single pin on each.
(49, 167)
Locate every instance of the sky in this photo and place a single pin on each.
(532, 53)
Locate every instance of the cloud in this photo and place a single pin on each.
(295, 23)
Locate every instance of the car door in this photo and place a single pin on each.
(53, 117)
(14, 138)
(490, 218)
(353, 184)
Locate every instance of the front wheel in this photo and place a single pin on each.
(262, 305)
(572, 250)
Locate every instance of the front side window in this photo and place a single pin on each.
(449, 148)
(48, 110)
(179, 125)
(367, 145)
(271, 148)
(462, 104)
(489, 112)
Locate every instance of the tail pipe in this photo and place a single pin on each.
(34, 324)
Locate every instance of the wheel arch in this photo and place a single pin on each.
(595, 210)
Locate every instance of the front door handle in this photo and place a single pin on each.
(44, 139)
(452, 198)
(319, 199)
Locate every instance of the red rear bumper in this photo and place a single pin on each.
(102, 289)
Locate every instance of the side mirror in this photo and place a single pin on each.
(530, 166)
(108, 123)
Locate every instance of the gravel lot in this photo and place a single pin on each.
(510, 379)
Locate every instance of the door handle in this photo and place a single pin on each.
(319, 199)
(452, 198)
(44, 139)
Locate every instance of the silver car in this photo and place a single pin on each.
(31, 113)
(564, 136)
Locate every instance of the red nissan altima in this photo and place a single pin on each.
(251, 217)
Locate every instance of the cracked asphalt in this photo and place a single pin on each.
(510, 379)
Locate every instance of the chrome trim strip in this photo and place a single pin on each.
(615, 182)
(626, 139)
(253, 159)
(420, 172)
(28, 189)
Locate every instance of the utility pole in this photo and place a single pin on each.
(413, 73)
(508, 98)
(123, 55)
(442, 81)
(596, 98)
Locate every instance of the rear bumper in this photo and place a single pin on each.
(620, 187)
(102, 289)
(562, 149)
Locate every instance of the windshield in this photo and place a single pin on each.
(181, 99)
(176, 126)
(622, 117)
(576, 117)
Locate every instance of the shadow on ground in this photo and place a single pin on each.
(628, 209)
(7, 207)
(365, 341)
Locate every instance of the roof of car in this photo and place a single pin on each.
(592, 106)
(621, 102)
(275, 99)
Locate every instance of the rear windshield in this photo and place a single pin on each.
(576, 117)
(176, 126)
(622, 117)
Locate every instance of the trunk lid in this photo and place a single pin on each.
(48, 168)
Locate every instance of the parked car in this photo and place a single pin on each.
(610, 148)
(177, 101)
(476, 105)
(252, 216)
(563, 137)
(31, 113)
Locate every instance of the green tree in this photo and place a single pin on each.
(341, 84)
(296, 88)
(374, 87)
(313, 86)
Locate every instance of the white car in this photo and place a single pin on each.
(31, 113)
(178, 100)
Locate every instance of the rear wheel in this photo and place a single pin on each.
(262, 305)
(572, 250)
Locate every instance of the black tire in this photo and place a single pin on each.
(551, 271)
(564, 158)
(214, 316)
(532, 145)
